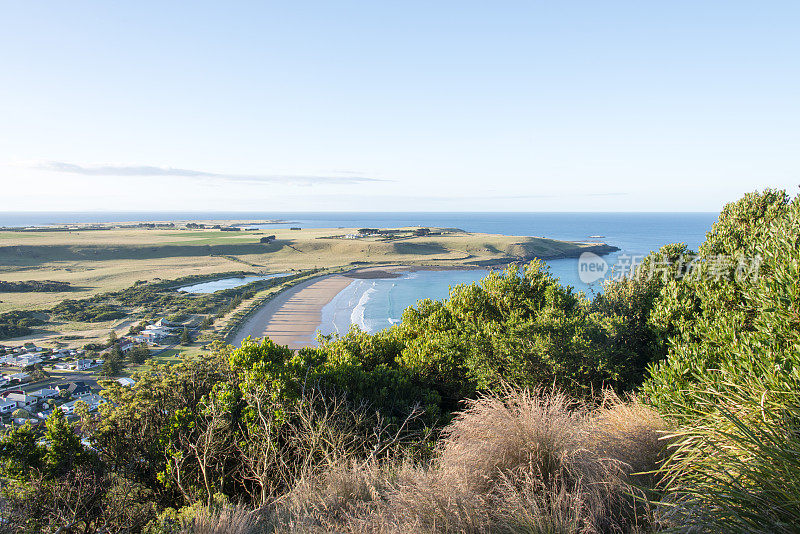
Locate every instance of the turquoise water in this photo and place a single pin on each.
(377, 304)
(227, 283)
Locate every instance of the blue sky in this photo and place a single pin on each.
(417, 106)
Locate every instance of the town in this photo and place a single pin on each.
(37, 380)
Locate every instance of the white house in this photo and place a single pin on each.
(93, 402)
(46, 393)
(84, 364)
(22, 400)
(24, 360)
(127, 382)
(7, 407)
(158, 331)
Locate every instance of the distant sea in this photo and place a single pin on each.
(376, 304)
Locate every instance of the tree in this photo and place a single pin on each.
(64, 449)
(21, 413)
(112, 365)
(20, 452)
(186, 339)
(737, 319)
(112, 338)
(139, 354)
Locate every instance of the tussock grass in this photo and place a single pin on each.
(225, 520)
(513, 462)
(737, 468)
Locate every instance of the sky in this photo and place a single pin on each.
(396, 106)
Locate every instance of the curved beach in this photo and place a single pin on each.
(293, 316)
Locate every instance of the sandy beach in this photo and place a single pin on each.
(293, 316)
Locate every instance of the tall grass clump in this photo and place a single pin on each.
(514, 461)
(737, 469)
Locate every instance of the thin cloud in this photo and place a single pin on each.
(560, 195)
(151, 171)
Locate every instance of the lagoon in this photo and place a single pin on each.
(228, 283)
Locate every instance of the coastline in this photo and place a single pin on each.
(294, 315)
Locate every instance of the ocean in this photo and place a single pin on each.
(376, 304)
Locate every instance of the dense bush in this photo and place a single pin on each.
(732, 375)
(734, 325)
(33, 286)
(18, 323)
(87, 311)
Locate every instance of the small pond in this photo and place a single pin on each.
(228, 283)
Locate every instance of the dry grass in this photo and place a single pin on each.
(516, 462)
(225, 520)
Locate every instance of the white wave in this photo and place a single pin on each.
(357, 316)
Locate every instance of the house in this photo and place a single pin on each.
(92, 401)
(78, 365)
(7, 407)
(163, 323)
(21, 399)
(127, 382)
(84, 364)
(152, 334)
(76, 389)
(18, 378)
(125, 345)
(24, 360)
(46, 393)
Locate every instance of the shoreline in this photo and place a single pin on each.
(294, 316)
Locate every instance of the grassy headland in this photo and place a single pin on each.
(102, 262)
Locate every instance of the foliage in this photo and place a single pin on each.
(64, 449)
(33, 286)
(139, 354)
(734, 469)
(18, 323)
(415, 428)
(724, 330)
(87, 311)
(20, 452)
(112, 363)
(733, 372)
